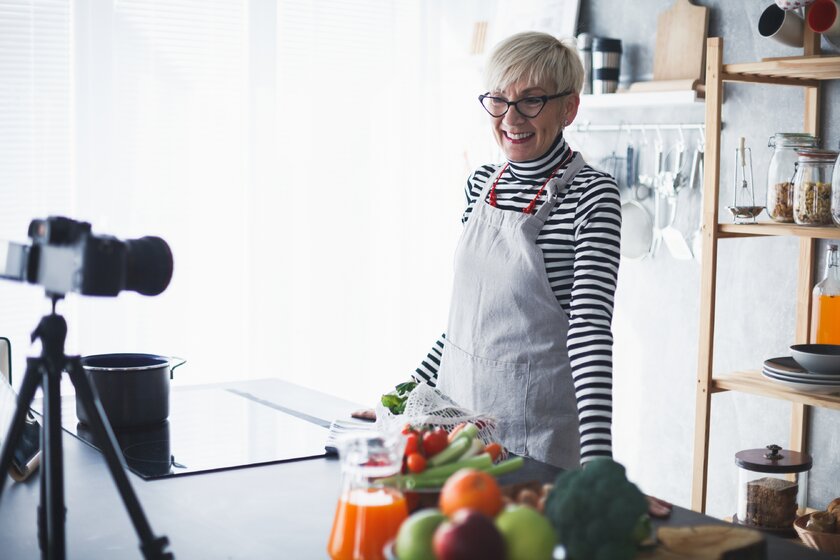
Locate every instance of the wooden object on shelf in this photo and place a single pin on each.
(807, 72)
(708, 542)
(680, 42)
(680, 52)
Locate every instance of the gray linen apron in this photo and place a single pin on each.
(505, 353)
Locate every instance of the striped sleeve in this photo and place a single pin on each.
(590, 341)
(427, 372)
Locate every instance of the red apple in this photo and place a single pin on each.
(469, 535)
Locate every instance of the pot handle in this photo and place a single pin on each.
(181, 361)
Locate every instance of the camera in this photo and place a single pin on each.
(65, 256)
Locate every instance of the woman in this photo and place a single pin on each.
(529, 338)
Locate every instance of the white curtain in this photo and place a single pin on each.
(305, 160)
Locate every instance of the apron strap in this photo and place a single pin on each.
(557, 184)
(489, 184)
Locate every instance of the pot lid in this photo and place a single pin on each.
(773, 459)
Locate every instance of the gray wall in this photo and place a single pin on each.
(656, 318)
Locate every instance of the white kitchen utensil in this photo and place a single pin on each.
(636, 231)
(673, 183)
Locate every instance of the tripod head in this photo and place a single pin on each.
(52, 332)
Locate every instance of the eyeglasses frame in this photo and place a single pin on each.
(544, 98)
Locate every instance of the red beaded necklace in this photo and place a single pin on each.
(530, 208)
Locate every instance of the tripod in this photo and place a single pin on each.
(45, 371)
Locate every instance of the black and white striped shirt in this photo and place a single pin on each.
(580, 244)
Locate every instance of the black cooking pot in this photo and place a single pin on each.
(133, 388)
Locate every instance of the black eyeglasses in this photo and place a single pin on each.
(528, 107)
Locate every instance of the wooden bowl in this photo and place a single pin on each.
(824, 542)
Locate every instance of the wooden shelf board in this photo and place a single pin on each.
(804, 68)
(754, 383)
(772, 228)
(639, 99)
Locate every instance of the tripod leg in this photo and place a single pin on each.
(53, 464)
(152, 548)
(31, 381)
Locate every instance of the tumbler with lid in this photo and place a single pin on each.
(606, 64)
(772, 487)
(779, 185)
(812, 187)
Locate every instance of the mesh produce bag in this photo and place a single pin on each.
(426, 405)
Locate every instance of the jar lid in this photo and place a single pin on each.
(793, 139)
(815, 154)
(773, 459)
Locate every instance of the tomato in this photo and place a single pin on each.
(407, 429)
(416, 463)
(435, 441)
(494, 450)
(412, 443)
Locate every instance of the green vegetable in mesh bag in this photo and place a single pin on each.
(395, 400)
(598, 514)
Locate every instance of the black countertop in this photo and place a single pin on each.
(281, 511)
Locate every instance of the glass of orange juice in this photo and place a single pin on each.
(369, 511)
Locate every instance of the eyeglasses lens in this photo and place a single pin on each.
(528, 107)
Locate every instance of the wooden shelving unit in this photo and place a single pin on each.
(802, 71)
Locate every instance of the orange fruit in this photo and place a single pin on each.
(471, 489)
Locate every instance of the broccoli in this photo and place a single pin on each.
(598, 514)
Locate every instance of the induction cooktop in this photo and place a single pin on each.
(211, 429)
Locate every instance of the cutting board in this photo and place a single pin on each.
(708, 542)
(681, 42)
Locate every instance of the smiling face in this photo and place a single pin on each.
(522, 138)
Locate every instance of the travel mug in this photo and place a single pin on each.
(606, 64)
(584, 47)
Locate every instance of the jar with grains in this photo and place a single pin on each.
(812, 187)
(835, 193)
(779, 185)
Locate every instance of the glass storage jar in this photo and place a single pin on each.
(835, 193)
(772, 487)
(780, 172)
(812, 187)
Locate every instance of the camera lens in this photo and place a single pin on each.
(148, 265)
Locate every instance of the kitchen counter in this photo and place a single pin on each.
(282, 510)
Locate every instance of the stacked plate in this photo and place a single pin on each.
(789, 372)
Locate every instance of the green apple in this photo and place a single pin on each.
(528, 534)
(414, 538)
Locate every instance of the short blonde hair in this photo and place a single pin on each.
(539, 58)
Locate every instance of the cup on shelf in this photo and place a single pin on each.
(786, 27)
(824, 17)
(793, 4)
(606, 64)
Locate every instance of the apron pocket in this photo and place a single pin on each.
(491, 388)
